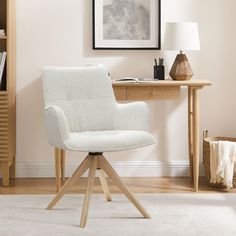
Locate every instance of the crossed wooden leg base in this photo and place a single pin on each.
(93, 163)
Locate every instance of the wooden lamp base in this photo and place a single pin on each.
(181, 69)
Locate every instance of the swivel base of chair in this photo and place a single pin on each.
(94, 162)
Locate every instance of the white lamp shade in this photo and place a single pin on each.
(181, 36)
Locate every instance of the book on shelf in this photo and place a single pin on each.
(3, 56)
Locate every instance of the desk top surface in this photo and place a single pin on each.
(164, 83)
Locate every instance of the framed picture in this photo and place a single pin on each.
(127, 24)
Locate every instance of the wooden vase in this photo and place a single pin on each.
(181, 69)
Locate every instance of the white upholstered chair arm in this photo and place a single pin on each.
(57, 126)
(131, 116)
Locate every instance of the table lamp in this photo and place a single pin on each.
(183, 37)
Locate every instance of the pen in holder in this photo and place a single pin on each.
(159, 70)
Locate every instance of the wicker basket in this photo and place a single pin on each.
(206, 156)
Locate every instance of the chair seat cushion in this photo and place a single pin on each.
(108, 141)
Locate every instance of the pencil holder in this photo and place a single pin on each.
(159, 72)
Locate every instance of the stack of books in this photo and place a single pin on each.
(3, 56)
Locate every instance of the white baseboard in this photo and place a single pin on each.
(125, 169)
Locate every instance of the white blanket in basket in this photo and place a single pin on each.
(222, 159)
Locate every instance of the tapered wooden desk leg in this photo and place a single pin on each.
(58, 168)
(196, 138)
(12, 169)
(190, 131)
(63, 161)
(5, 174)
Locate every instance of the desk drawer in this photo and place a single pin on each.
(120, 93)
(152, 93)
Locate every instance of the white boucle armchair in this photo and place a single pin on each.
(81, 114)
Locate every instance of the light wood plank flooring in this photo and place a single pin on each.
(136, 185)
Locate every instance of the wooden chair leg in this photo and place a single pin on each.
(58, 168)
(103, 164)
(104, 184)
(63, 157)
(92, 171)
(5, 174)
(76, 175)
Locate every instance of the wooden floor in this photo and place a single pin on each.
(136, 185)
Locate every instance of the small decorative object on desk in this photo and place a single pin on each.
(2, 32)
(183, 37)
(213, 147)
(159, 70)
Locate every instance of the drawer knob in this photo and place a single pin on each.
(153, 93)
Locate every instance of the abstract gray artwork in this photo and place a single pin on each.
(126, 19)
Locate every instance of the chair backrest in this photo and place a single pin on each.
(85, 95)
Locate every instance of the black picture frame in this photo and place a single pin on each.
(95, 47)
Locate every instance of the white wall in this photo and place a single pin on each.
(58, 32)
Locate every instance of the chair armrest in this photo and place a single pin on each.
(131, 116)
(57, 126)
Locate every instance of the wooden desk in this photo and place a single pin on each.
(166, 90)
